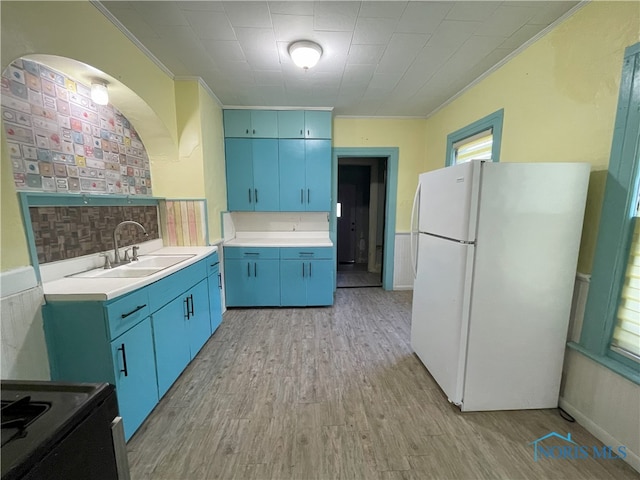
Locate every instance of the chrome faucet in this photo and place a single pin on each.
(116, 257)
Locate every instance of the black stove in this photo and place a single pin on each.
(58, 430)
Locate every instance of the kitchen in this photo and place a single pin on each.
(570, 76)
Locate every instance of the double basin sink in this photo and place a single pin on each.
(145, 266)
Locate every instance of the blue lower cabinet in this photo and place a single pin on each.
(140, 342)
(135, 375)
(250, 283)
(306, 282)
(293, 288)
(215, 297)
(319, 282)
(198, 322)
(171, 343)
(269, 276)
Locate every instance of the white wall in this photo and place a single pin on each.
(605, 403)
(23, 351)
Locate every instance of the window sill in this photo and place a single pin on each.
(627, 372)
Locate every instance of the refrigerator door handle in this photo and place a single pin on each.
(414, 232)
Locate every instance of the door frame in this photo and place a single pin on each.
(391, 155)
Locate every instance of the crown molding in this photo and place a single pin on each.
(513, 54)
(132, 37)
(384, 117)
(244, 107)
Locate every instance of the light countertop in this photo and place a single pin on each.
(102, 289)
(280, 239)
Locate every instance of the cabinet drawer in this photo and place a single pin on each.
(125, 312)
(252, 252)
(165, 290)
(301, 253)
(212, 263)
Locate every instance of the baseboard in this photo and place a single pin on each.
(605, 437)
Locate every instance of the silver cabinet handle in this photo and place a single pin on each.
(249, 195)
(308, 195)
(248, 271)
(255, 194)
(255, 269)
(303, 270)
(302, 195)
(309, 268)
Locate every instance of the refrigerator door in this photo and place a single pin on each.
(439, 321)
(529, 228)
(449, 201)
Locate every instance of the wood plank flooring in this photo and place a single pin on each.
(336, 393)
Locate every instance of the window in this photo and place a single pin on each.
(480, 140)
(611, 327)
(626, 334)
(476, 147)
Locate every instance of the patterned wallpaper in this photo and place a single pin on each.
(60, 141)
(183, 223)
(67, 232)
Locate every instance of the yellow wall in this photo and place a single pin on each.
(215, 184)
(144, 93)
(407, 135)
(559, 98)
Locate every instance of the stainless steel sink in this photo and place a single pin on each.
(145, 266)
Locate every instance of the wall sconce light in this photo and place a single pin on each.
(305, 54)
(99, 92)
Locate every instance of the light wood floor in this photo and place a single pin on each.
(357, 276)
(336, 393)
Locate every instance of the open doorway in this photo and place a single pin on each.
(360, 221)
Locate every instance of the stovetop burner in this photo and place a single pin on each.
(16, 415)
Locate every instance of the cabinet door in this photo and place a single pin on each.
(291, 124)
(215, 303)
(266, 185)
(135, 375)
(293, 289)
(264, 124)
(317, 124)
(318, 175)
(319, 281)
(239, 161)
(171, 342)
(237, 282)
(265, 283)
(237, 123)
(198, 323)
(292, 175)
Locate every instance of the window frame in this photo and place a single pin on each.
(492, 121)
(615, 229)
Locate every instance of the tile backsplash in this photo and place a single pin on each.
(59, 140)
(62, 233)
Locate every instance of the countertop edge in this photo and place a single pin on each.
(106, 289)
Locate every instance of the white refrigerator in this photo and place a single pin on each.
(495, 255)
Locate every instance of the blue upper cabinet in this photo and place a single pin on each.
(304, 124)
(317, 124)
(291, 124)
(250, 124)
(305, 175)
(252, 174)
(318, 175)
(239, 161)
(292, 175)
(266, 185)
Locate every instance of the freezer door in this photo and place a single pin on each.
(449, 201)
(439, 320)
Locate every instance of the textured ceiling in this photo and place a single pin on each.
(380, 58)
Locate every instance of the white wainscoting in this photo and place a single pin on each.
(603, 402)
(402, 269)
(23, 351)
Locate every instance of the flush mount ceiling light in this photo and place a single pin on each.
(99, 92)
(305, 54)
